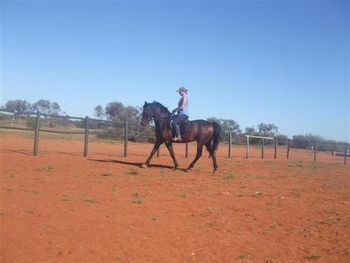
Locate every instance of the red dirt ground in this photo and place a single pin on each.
(62, 207)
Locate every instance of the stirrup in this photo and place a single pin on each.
(177, 139)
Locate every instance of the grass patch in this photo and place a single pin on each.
(183, 195)
(313, 257)
(33, 191)
(106, 174)
(229, 177)
(67, 198)
(243, 257)
(315, 167)
(133, 172)
(46, 168)
(274, 226)
(90, 201)
(138, 199)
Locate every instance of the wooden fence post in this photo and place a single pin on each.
(262, 148)
(275, 156)
(288, 142)
(86, 136)
(36, 135)
(230, 145)
(126, 138)
(186, 150)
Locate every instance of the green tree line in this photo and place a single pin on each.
(117, 113)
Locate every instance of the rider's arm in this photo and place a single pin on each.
(182, 106)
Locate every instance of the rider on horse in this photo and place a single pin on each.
(182, 113)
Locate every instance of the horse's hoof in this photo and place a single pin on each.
(215, 172)
(187, 170)
(143, 165)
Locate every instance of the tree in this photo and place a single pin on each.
(98, 112)
(305, 141)
(55, 108)
(18, 106)
(118, 112)
(250, 131)
(268, 129)
(282, 139)
(227, 125)
(42, 106)
(114, 110)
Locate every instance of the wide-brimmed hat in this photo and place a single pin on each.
(182, 89)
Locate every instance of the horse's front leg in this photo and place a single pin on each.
(155, 148)
(169, 145)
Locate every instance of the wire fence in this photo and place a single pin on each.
(255, 146)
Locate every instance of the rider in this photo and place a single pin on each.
(182, 112)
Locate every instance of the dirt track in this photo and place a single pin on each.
(61, 207)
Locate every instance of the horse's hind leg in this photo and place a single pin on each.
(212, 153)
(198, 155)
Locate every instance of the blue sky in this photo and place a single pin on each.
(281, 62)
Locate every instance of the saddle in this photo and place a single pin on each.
(183, 125)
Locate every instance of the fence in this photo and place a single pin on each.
(337, 149)
(85, 131)
(87, 123)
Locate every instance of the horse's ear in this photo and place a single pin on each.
(145, 103)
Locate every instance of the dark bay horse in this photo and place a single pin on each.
(204, 132)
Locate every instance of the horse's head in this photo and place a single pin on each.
(155, 111)
(147, 114)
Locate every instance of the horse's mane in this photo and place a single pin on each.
(162, 108)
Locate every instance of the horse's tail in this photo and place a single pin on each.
(216, 136)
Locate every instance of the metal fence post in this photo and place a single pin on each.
(86, 136)
(36, 135)
(247, 148)
(315, 151)
(126, 137)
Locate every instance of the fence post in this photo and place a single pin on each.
(346, 153)
(158, 152)
(262, 148)
(275, 156)
(288, 141)
(186, 150)
(315, 151)
(86, 137)
(247, 148)
(229, 145)
(126, 137)
(36, 135)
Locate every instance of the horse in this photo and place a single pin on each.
(204, 132)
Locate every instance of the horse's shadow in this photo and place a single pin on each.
(135, 164)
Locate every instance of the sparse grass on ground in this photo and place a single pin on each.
(46, 168)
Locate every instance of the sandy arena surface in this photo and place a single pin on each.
(62, 207)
